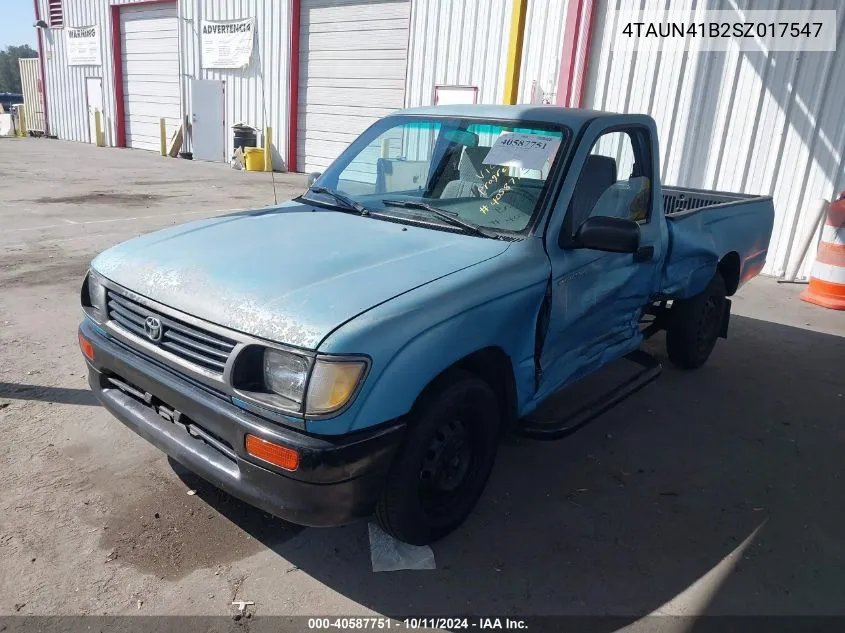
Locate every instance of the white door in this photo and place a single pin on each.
(94, 97)
(208, 120)
(352, 57)
(150, 56)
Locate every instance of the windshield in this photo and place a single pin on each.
(485, 173)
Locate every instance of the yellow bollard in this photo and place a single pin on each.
(517, 36)
(98, 129)
(163, 132)
(22, 122)
(268, 149)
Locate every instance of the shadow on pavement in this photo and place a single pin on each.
(629, 512)
(60, 395)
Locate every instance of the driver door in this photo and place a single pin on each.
(597, 297)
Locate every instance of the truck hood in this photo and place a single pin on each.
(289, 274)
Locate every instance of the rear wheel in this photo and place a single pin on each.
(695, 324)
(446, 458)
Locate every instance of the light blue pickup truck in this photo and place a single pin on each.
(361, 349)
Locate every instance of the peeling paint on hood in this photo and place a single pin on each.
(289, 274)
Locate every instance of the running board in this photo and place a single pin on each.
(557, 429)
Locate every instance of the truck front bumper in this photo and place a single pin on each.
(338, 480)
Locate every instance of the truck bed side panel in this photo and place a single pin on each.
(700, 239)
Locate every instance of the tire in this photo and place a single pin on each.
(444, 462)
(695, 324)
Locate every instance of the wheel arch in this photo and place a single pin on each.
(492, 365)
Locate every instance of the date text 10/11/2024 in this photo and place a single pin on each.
(513, 624)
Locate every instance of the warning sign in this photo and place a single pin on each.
(83, 46)
(227, 44)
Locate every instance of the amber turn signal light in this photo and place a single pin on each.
(280, 456)
(86, 347)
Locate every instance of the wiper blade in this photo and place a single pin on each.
(446, 216)
(349, 203)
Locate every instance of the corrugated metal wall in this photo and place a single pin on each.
(543, 43)
(259, 94)
(465, 42)
(753, 122)
(250, 93)
(457, 42)
(452, 42)
(66, 103)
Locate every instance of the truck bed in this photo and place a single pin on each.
(680, 199)
(712, 228)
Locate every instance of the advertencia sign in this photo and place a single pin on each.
(227, 44)
(83, 46)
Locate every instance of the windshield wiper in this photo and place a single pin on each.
(446, 216)
(349, 203)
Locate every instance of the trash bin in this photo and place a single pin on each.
(244, 136)
(254, 158)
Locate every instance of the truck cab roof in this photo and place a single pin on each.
(573, 118)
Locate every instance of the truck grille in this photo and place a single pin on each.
(190, 343)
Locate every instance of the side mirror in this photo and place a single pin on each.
(614, 235)
(312, 177)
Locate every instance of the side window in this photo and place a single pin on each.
(616, 179)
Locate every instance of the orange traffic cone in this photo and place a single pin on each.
(827, 280)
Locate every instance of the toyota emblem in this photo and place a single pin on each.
(152, 328)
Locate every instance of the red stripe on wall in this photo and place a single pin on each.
(295, 7)
(570, 82)
(588, 38)
(119, 106)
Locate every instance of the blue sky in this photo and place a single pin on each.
(16, 24)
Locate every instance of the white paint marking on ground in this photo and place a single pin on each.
(140, 217)
(389, 554)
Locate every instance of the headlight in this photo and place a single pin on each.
(285, 374)
(332, 384)
(94, 297)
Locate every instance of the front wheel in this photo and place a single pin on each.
(695, 324)
(443, 465)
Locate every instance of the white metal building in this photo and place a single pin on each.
(745, 121)
(322, 70)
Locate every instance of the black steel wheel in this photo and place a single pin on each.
(445, 460)
(695, 325)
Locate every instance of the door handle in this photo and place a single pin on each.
(644, 254)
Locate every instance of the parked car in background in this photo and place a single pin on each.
(361, 348)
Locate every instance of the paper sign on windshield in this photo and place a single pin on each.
(526, 151)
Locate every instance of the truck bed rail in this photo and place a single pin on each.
(681, 199)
